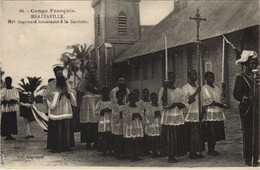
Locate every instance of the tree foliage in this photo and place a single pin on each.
(75, 61)
(32, 85)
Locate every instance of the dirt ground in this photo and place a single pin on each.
(32, 152)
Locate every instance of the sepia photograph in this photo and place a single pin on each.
(115, 84)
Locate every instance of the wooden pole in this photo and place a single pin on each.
(255, 71)
(106, 65)
(166, 58)
(198, 19)
(223, 70)
(223, 61)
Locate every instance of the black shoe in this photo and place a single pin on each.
(31, 136)
(120, 157)
(88, 146)
(133, 160)
(110, 153)
(249, 163)
(163, 155)
(200, 156)
(68, 150)
(193, 156)
(95, 145)
(155, 155)
(172, 160)
(103, 154)
(146, 153)
(124, 157)
(12, 138)
(138, 159)
(55, 151)
(256, 164)
(213, 153)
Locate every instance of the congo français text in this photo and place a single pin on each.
(52, 11)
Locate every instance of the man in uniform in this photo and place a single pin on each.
(249, 106)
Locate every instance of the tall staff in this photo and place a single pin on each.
(165, 91)
(198, 19)
(238, 53)
(166, 58)
(223, 70)
(255, 72)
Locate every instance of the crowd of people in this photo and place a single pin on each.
(164, 124)
(121, 123)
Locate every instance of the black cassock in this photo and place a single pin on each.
(244, 86)
(26, 112)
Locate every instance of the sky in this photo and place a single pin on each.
(32, 49)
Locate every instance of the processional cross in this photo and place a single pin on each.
(198, 19)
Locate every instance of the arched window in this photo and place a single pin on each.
(98, 25)
(122, 23)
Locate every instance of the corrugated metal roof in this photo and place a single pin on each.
(222, 17)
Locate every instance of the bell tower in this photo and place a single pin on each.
(117, 27)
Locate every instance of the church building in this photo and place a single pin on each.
(123, 46)
(117, 28)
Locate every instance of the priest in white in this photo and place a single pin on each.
(60, 97)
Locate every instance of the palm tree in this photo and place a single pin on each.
(32, 85)
(76, 60)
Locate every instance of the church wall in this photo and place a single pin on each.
(131, 10)
(101, 65)
(119, 47)
(211, 50)
(153, 80)
(107, 31)
(99, 35)
(178, 64)
(155, 70)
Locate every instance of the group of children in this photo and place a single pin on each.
(134, 127)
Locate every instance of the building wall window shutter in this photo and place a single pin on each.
(208, 66)
(122, 26)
